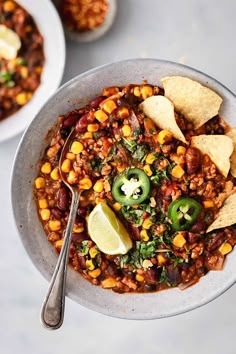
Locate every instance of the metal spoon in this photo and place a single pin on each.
(52, 312)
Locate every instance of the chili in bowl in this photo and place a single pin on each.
(152, 214)
(26, 58)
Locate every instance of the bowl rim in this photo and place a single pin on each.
(17, 126)
(105, 310)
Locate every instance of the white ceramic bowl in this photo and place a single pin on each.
(73, 94)
(49, 25)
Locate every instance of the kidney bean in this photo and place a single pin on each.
(82, 212)
(215, 241)
(193, 160)
(96, 101)
(81, 125)
(192, 238)
(63, 200)
(82, 262)
(173, 274)
(79, 237)
(71, 120)
(198, 226)
(57, 213)
(149, 287)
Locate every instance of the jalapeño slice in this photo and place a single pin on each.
(131, 188)
(183, 213)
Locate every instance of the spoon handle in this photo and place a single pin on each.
(52, 312)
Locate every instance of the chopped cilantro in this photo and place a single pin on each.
(129, 144)
(132, 215)
(83, 248)
(140, 152)
(6, 76)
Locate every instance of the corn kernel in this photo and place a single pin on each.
(109, 106)
(123, 113)
(58, 244)
(78, 229)
(43, 203)
(149, 126)
(146, 91)
(72, 177)
(88, 135)
(151, 157)
(147, 224)
(101, 116)
(179, 240)
(139, 278)
(9, 6)
(99, 200)
(120, 167)
(24, 72)
(110, 91)
(161, 259)
(46, 168)
(54, 225)
(45, 214)
(76, 147)
(66, 165)
(225, 248)
(53, 236)
(177, 171)
(89, 264)
(70, 156)
(93, 251)
(147, 263)
(22, 98)
(38, 70)
(117, 206)
(208, 204)
(164, 136)
(126, 130)
(137, 92)
(93, 127)
(109, 283)
(95, 273)
(99, 185)
(144, 235)
(147, 170)
(181, 150)
(28, 28)
(85, 183)
(39, 183)
(53, 150)
(55, 174)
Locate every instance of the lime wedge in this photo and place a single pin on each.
(107, 231)
(9, 43)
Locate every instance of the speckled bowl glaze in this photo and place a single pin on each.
(73, 94)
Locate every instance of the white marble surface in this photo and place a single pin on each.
(201, 34)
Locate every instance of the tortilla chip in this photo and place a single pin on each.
(218, 147)
(226, 216)
(161, 111)
(195, 102)
(232, 134)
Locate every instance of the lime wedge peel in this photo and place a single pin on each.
(107, 231)
(10, 43)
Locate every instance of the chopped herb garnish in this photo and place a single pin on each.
(129, 144)
(21, 61)
(83, 248)
(140, 152)
(132, 215)
(6, 76)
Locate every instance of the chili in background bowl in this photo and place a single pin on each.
(50, 27)
(74, 94)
